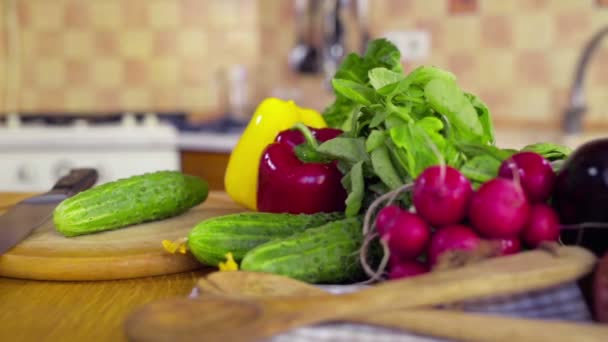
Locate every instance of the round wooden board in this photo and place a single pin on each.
(130, 252)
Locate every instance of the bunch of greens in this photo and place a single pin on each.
(398, 124)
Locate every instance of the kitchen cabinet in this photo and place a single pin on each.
(208, 165)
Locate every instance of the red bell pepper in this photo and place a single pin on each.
(287, 184)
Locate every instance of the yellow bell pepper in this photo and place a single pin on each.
(271, 117)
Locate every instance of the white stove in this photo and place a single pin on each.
(35, 152)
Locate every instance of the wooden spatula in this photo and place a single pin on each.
(237, 319)
(454, 324)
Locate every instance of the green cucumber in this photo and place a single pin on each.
(210, 240)
(128, 201)
(326, 254)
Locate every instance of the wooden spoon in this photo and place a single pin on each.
(237, 319)
(454, 324)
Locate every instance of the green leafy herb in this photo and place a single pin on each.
(351, 150)
(481, 168)
(551, 152)
(397, 124)
(383, 167)
(356, 190)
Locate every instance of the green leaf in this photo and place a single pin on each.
(354, 91)
(484, 117)
(424, 74)
(378, 119)
(382, 53)
(481, 168)
(384, 169)
(354, 199)
(308, 154)
(473, 150)
(375, 139)
(351, 150)
(415, 91)
(380, 77)
(445, 97)
(353, 68)
(550, 151)
(403, 112)
(339, 112)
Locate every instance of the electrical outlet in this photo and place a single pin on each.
(413, 45)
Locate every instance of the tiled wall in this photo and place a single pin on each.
(81, 55)
(77, 55)
(518, 55)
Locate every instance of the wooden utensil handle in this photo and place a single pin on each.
(462, 326)
(518, 273)
(76, 181)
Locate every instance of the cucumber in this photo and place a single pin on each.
(210, 240)
(128, 201)
(326, 254)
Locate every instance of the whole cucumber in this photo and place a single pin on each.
(326, 254)
(210, 240)
(128, 201)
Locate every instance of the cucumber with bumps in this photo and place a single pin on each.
(326, 254)
(128, 201)
(210, 240)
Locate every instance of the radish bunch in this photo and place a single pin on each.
(448, 215)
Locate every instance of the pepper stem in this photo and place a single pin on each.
(310, 139)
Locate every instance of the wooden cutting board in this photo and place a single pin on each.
(130, 252)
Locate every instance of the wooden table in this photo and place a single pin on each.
(78, 311)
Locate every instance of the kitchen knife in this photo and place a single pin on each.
(20, 220)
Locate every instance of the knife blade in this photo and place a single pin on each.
(24, 217)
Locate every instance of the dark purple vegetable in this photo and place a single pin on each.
(580, 194)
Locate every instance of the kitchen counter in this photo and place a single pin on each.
(78, 311)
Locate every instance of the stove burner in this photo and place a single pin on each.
(179, 120)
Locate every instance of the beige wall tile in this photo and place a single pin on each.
(429, 8)
(495, 68)
(597, 102)
(563, 65)
(533, 31)
(571, 4)
(498, 7)
(106, 14)
(463, 34)
(531, 103)
(77, 44)
(136, 44)
(136, 98)
(195, 98)
(49, 73)
(45, 15)
(107, 72)
(163, 14)
(192, 43)
(164, 72)
(78, 99)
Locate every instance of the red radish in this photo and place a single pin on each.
(386, 218)
(405, 269)
(441, 195)
(499, 209)
(454, 237)
(543, 225)
(408, 237)
(509, 246)
(535, 174)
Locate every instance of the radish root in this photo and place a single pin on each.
(369, 233)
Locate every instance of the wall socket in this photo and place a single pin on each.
(414, 45)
